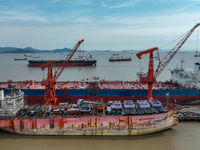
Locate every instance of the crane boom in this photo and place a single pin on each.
(50, 92)
(150, 77)
(47, 64)
(64, 64)
(164, 62)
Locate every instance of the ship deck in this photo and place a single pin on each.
(29, 84)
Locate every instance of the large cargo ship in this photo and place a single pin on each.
(86, 118)
(96, 89)
(38, 63)
(80, 61)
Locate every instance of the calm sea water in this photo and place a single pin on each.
(184, 136)
(18, 70)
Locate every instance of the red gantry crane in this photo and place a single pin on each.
(150, 77)
(50, 92)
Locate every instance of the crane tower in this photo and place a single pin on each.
(150, 77)
(49, 83)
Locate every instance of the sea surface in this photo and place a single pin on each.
(184, 136)
(126, 71)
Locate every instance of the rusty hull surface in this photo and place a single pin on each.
(104, 125)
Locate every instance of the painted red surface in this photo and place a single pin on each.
(86, 124)
(59, 64)
(73, 99)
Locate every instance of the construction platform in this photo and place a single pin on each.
(188, 113)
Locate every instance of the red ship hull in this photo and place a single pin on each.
(58, 64)
(109, 91)
(96, 125)
(73, 99)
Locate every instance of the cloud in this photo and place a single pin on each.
(83, 21)
(178, 10)
(120, 5)
(103, 4)
(55, 1)
(12, 16)
(153, 20)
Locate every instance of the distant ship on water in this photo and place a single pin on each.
(116, 57)
(27, 55)
(20, 59)
(80, 61)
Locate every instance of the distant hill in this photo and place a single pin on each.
(19, 51)
(32, 50)
(124, 51)
(4, 49)
(65, 50)
(101, 51)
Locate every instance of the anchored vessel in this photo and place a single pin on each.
(95, 88)
(27, 55)
(87, 118)
(116, 57)
(38, 63)
(20, 59)
(80, 61)
(187, 79)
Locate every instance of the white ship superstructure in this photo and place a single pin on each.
(185, 77)
(11, 103)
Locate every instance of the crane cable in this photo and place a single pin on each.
(181, 37)
(65, 55)
(140, 68)
(80, 55)
(173, 40)
(197, 41)
(169, 44)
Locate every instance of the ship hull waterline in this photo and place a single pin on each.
(181, 100)
(181, 96)
(104, 125)
(81, 63)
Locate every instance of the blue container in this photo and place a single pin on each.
(184, 114)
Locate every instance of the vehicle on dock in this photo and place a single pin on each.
(187, 113)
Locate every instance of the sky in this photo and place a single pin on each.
(104, 24)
